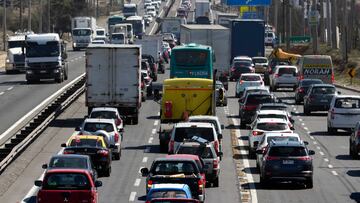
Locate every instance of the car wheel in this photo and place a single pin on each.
(331, 130)
(117, 156)
(135, 120)
(306, 111)
(242, 124)
(297, 101)
(163, 146)
(107, 172)
(263, 182)
(216, 182)
(309, 183)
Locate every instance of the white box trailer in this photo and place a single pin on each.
(113, 78)
(150, 45)
(216, 36)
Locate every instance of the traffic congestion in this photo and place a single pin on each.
(182, 103)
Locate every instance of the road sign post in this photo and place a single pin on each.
(352, 73)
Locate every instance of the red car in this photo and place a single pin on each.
(67, 185)
(179, 200)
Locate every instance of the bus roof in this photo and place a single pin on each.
(134, 18)
(192, 46)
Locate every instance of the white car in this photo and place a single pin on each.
(344, 112)
(185, 131)
(242, 58)
(209, 119)
(270, 39)
(151, 10)
(267, 138)
(261, 64)
(147, 3)
(93, 125)
(284, 76)
(248, 80)
(109, 113)
(263, 126)
(274, 114)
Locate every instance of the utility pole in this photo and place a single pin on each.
(20, 16)
(49, 15)
(328, 24)
(334, 41)
(322, 21)
(4, 26)
(97, 9)
(29, 17)
(314, 29)
(41, 17)
(283, 21)
(287, 24)
(276, 10)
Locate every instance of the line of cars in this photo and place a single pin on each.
(72, 175)
(193, 163)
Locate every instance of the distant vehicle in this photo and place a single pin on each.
(316, 67)
(275, 106)
(148, 82)
(272, 64)
(240, 67)
(318, 98)
(115, 19)
(148, 19)
(261, 64)
(281, 114)
(253, 89)
(118, 38)
(220, 94)
(203, 20)
(130, 10)
(15, 58)
(247, 80)
(77, 182)
(354, 142)
(270, 39)
(172, 25)
(224, 18)
(177, 200)
(151, 10)
(138, 24)
(303, 87)
(167, 190)
(98, 42)
(185, 58)
(242, 58)
(209, 119)
(147, 3)
(202, 8)
(83, 30)
(72, 161)
(263, 126)
(344, 113)
(109, 113)
(287, 161)
(284, 76)
(182, 12)
(170, 38)
(100, 32)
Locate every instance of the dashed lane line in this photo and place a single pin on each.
(315, 143)
(132, 196)
(318, 147)
(137, 182)
(321, 153)
(10, 88)
(150, 140)
(334, 173)
(145, 159)
(153, 131)
(1, 93)
(330, 166)
(156, 122)
(326, 160)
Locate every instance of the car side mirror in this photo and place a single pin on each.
(78, 128)
(222, 127)
(311, 152)
(144, 172)
(38, 183)
(44, 166)
(306, 142)
(220, 136)
(63, 145)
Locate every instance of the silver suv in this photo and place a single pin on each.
(284, 76)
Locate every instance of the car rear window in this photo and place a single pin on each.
(93, 127)
(272, 116)
(323, 90)
(168, 194)
(243, 69)
(281, 138)
(259, 99)
(347, 103)
(259, 61)
(103, 114)
(273, 108)
(207, 121)
(68, 162)
(250, 77)
(286, 151)
(174, 167)
(66, 181)
(310, 82)
(284, 70)
(188, 133)
(203, 152)
(85, 142)
(242, 64)
(271, 126)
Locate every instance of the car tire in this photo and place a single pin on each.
(242, 124)
(309, 183)
(135, 120)
(264, 182)
(331, 130)
(307, 112)
(216, 182)
(107, 172)
(117, 156)
(297, 102)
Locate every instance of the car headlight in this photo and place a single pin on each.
(29, 72)
(74, 44)
(56, 70)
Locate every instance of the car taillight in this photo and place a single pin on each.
(116, 137)
(276, 75)
(171, 146)
(93, 197)
(332, 78)
(304, 158)
(118, 121)
(200, 185)
(149, 183)
(69, 152)
(232, 69)
(216, 164)
(271, 158)
(256, 133)
(250, 107)
(168, 109)
(216, 145)
(269, 70)
(301, 90)
(332, 114)
(147, 201)
(103, 152)
(142, 85)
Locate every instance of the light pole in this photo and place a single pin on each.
(4, 25)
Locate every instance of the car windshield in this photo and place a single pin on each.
(255, 91)
(250, 78)
(85, 142)
(188, 133)
(33, 49)
(347, 103)
(174, 167)
(93, 127)
(271, 126)
(100, 32)
(259, 60)
(168, 194)
(203, 152)
(272, 116)
(243, 69)
(281, 138)
(68, 162)
(286, 151)
(117, 36)
(103, 114)
(259, 99)
(323, 90)
(310, 82)
(66, 181)
(273, 108)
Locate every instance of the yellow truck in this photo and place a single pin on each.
(181, 98)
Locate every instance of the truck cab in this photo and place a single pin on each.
(15, 58)
(83, 30)
(45, 58)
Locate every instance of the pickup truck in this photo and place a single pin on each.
(174, 169)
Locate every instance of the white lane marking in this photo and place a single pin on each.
(300, 119)
(330, 166)
(308, 132)
(312, 137)
(321, 153)
(156, 122)
(244, 152)
(158, 113)
(302, 123)
(1, 93)
(22, 119)
(153, 131)
(132, 196)
(315, 142)
(145, 159)
(305, 128)
(334, 173)
(294, 109)
(150, 140)
(147, 150)
(317, 147)
(10, 88)
(326, 160)
(297, 112)
(137, 182)
(247, 165)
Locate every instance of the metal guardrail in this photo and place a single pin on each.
(29, 131)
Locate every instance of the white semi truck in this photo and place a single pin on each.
(15, 58)
(45, 58)
(83, 31)
(113, 78)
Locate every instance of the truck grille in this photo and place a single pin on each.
(43, 65)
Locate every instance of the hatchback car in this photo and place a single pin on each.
(284, 77)
(247, 80)
(240, 67)
(109, 113)
(168, 190)
(354, 142)
(263, 126)
(274, 114)
(272, 64)
(220, 94)
(287, 161)
(344, 112)
(261, 64)
(318, 98)
(242, 58)
(209, 119)
(270, 39)
(303, 87)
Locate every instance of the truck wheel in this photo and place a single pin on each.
(309, 183)
(135, 120)
(216, 182)
(117, 156)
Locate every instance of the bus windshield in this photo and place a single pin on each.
(191, 58)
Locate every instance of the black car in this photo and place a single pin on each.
(272, 64)
(74, 161)
(318, 98)
(287, 161)
(247, 109)
(240, 67)
(153, 65)
(303, 87)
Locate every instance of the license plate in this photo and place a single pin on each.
(43, 71)
(287, 162)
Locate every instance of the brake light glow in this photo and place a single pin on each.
(116, 137)
(250, 107)
(200, 185)
(256, 133)
(149, 183)
(272, 158)
(103, 152)
(69, 152)
(304, 158)
(301, 90)
(332, 78)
